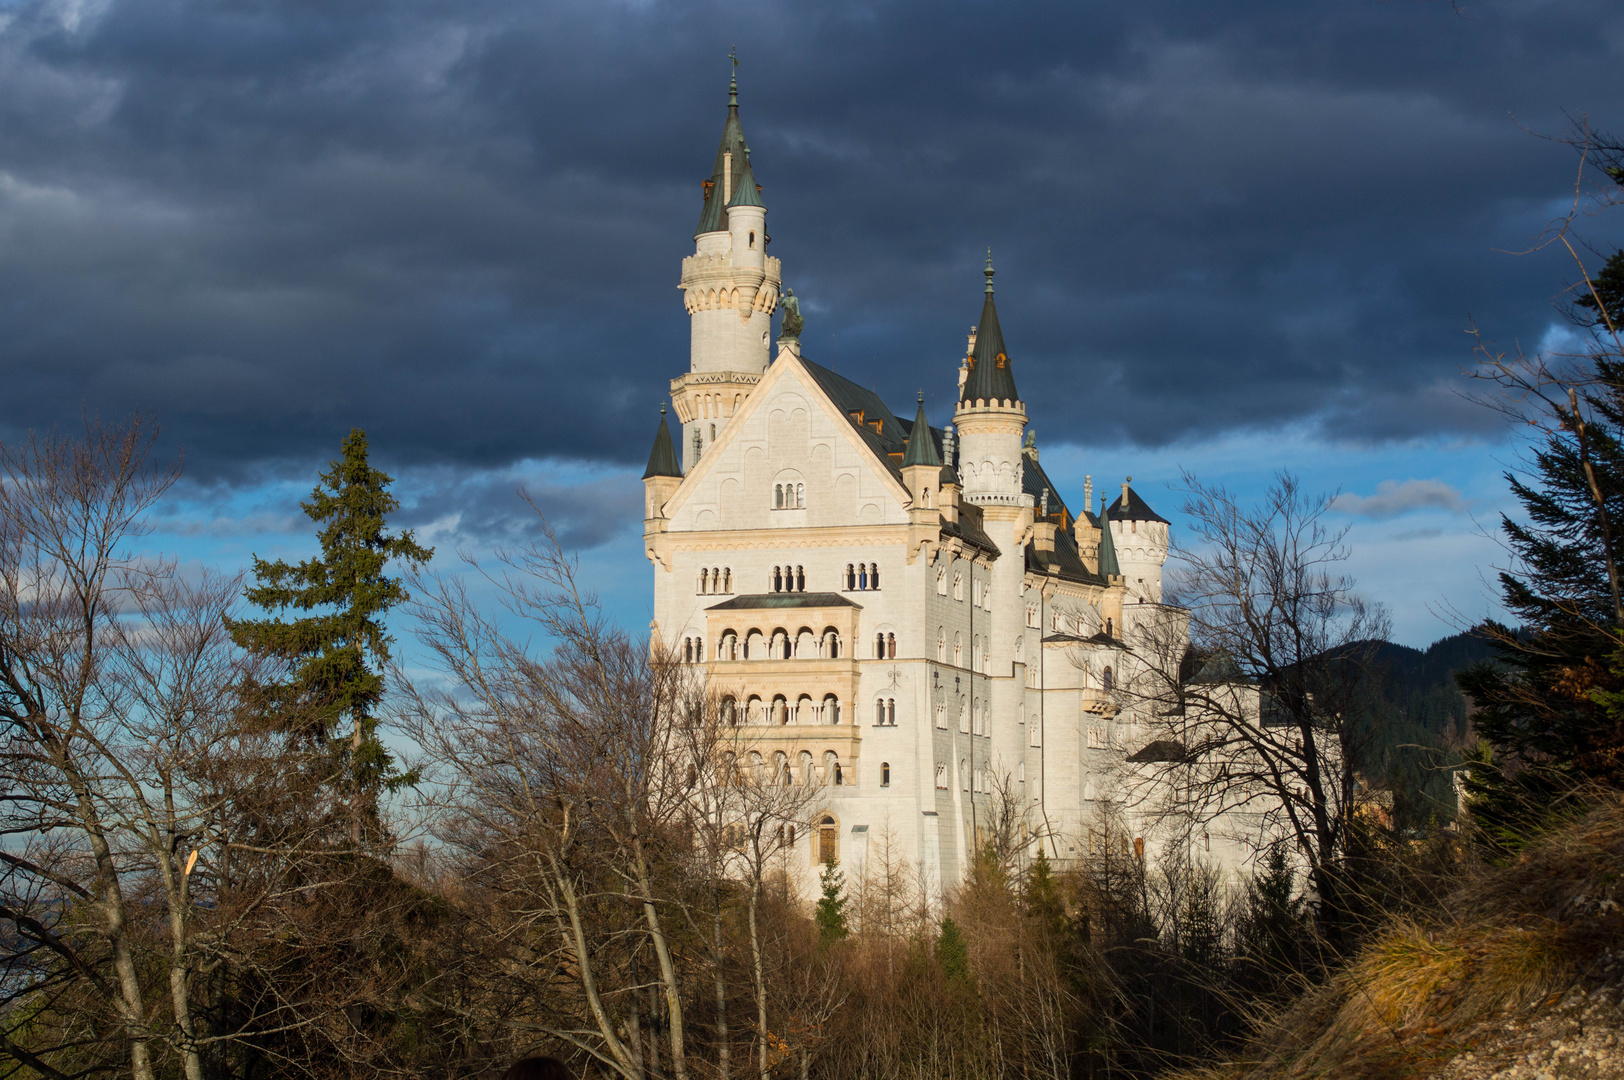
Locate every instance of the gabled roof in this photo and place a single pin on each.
(921, 446)
(1133, 508)
(991, 378)
(662, 460)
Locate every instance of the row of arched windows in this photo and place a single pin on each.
(885, 712)
(803, 770)
(715, 580)
(885, 646)
(779, 644)
(780, 710)
(862, 576)
(789, 496)
(693, 650)
(789, 579)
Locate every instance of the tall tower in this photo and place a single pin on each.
(990, 417)
(730, 288)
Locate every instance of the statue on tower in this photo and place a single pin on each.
(792, 315)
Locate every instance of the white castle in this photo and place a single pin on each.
(913, 618)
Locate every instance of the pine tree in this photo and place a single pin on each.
(1044, 905)
(953, 952)
(830, 915)
(336, 652)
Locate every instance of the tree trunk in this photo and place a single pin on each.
(719, 959)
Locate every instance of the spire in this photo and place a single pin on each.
(731, 159)
(1108, 559)
(921, 447)
(746, 192)
(662, 460)
(991, 378)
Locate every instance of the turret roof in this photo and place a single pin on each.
(921, 446)
(713, 216)
(1131, 507)
(662, 460)
(990, 376)
(746, 192)
(1108, 558)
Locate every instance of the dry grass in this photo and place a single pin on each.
(1510, 941)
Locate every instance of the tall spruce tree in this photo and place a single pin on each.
(335, 653)
(1550, 712)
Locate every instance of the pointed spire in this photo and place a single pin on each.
(991, 378)
(731, 159)
(747, 192)
(1108, 558)
(662, 460)
(921, 447)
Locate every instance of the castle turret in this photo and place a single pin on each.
(922, 470)
(730, 288)
(1140, 536)
(663, 475)
(990, 416)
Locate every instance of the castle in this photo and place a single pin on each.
(913, 618)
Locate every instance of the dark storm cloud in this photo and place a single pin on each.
(459, 225)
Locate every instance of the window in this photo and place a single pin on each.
(1106, 679)
(964, 775)
(879, 646)
(1034, 732)
(958, 650)
(800, 579)
(1109, 630)
(851, 577)
(958, 585)
(789, 496)
(890, 712)
(879, 713)
(826, 840)
(1032, 617)
(975, 592)
(890, 646)
(975, 650)
(778, 579)
(941, 583)
(831, 709)
(752, 241)
(885, 778)
(941, 716)
(941, 644)
(862, 575)
(874, 575)
(1096, 737)
(964, 717)
(941, 776)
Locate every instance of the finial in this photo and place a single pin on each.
(662, 410)
(733, 83)
(921, 397)
(988, 271)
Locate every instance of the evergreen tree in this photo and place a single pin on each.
(830, 915)
(1044, 905)
(1601, 303)
(953, 952)
(335, 652)
(1542, 706)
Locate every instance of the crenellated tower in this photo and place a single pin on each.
(730, 288)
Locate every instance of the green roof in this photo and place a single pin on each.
(662, 460)
(1108, 560)
(713, 216)
(921, 447)
(771, 601)
(990, 376)
(746, 192)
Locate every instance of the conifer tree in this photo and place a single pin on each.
(336, 649)
(830, 915)
(953, 952)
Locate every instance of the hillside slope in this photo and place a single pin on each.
(1516, 978)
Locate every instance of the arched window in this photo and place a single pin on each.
(975, 651)
(879, 646)
(851, 577)
(688, 650)
(1106, 678)
(964, 716)
(891, 646)
(826, 841)
(958, 585)
(800, 579)
(730, 712)
(752, 241)
(1109, 629)
(890, 712)
(832, 644)
(964, 774)
(885, 774)
(778, 496)
(704, 580)
(941, 583)
(778, 579)
(941, 645)
(727, 579)
(831, 709)
(879, 713)
(862, 575)
(874, 575)
(924, 498)
(808, 774)
(716, 580)
(800, 495)
(958, 650)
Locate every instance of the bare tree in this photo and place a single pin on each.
(1259, 727)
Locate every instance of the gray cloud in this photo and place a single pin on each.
(458, 225)
(1394, 497)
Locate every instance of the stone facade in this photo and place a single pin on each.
(912, 618)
